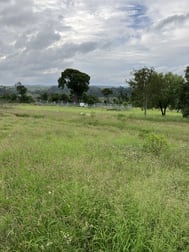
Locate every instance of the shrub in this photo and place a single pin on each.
(185, 112)
(155, 143)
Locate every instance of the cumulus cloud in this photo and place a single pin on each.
(106, 39)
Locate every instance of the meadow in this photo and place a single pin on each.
(78, 179)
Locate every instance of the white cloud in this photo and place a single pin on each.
(105, 38)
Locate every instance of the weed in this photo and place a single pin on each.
(155, 143)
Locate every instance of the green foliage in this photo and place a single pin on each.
(151, 89)
(64, 98)
(166, 90)
(185, 111)
(89, 99)
(187, 73)
(155, 143)
(184, 95)
(141, 87)
(21, 89)
(44, 96)
(13, 97)
(21, 94)
(54, 97)
(76, 81)
(107, 92)
(123, 96)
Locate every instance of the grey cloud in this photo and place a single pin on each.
(43, 39)
(175, 19)
(81, 48)
(102, 30)
(18, 14)
(35, 62)
(5, 48)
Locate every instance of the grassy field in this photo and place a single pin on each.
(76, 179)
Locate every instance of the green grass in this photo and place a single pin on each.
(75, 179)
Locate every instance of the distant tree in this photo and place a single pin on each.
(165, 91)
(54, 98)
(64, 97)
(90, 99)
(21, 90)
(44, 96)
(13, 97)
(76, 81)
(141, 87)
(94, 90)
(107, 92)
(184, 95)
(28, 99)
(122, 96)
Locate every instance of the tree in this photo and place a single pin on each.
(184, 94)
(64, 97)
(76, 81)
(21, 90)
(165, 91)
(122, 96)
(90, 99)
(107, 92)
(141, 87)
(54, 98)
(44, 96)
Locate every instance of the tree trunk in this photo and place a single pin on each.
(163, 110)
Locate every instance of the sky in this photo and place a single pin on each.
(107, 39)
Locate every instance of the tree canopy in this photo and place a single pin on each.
(184, 94)
(141, 87)
(76, 81)
(153, 89)
(21, 90)
(107, 92)
(165, 91)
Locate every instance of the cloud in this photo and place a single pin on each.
(105, 39)
(17, 14)
(43, 39)
(173, 21)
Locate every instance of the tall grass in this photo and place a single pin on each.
(75, 179)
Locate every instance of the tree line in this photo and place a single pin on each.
(73, 87)
(147, 89)
(151, 89)
(78, 84)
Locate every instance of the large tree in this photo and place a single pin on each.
(184, 94)
(165, 91)
(152, 89)
(141, 87)
(76, 81)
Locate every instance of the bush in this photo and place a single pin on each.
(155, 143)
(185, 112)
